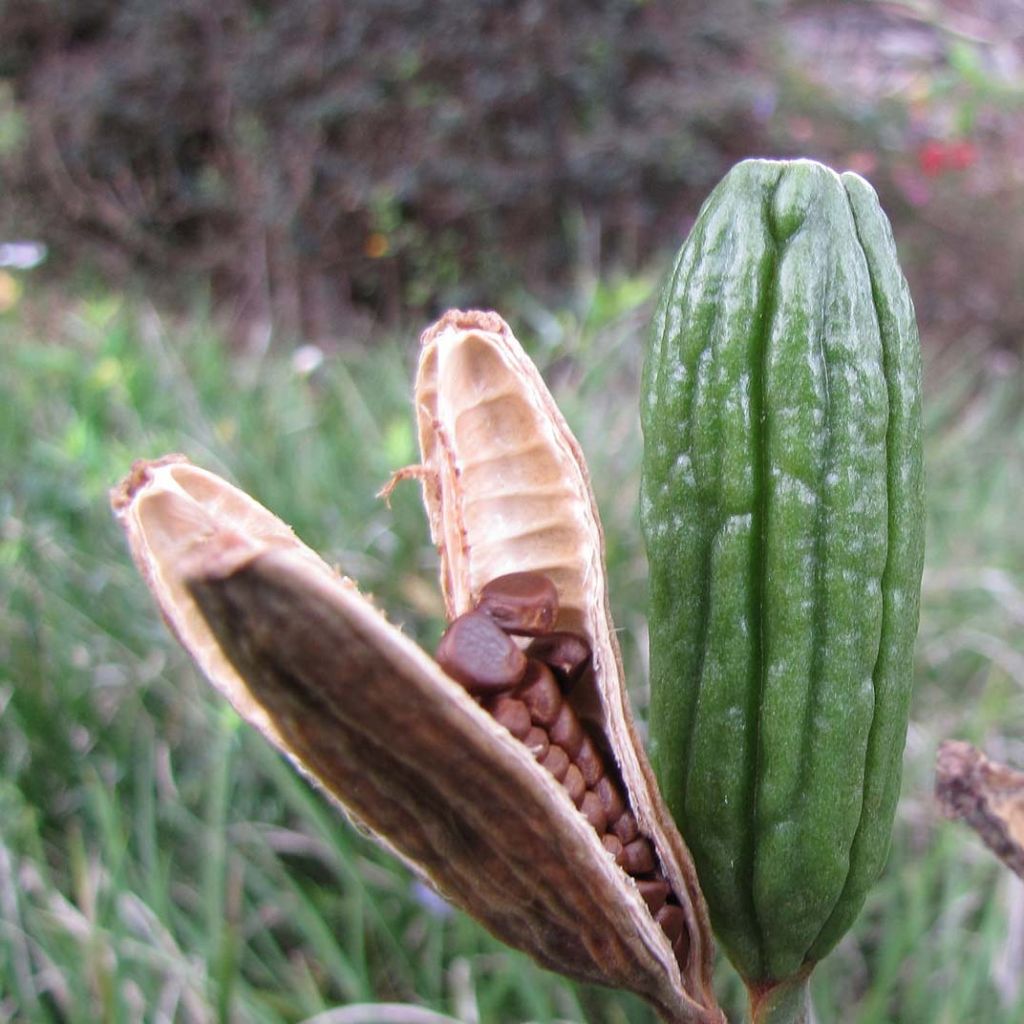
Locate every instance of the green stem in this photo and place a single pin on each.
(787, 1002)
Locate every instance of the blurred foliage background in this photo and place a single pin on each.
(318, 164)
(247, 211)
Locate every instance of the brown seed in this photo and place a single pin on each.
(589, 762)
(574, 785)
(654, 891)
(672, 921)
(638, 857)
(566, 730)
(475, 652)
(612, 845)
(611, 798)
(625, 827)
(556, 761)
(541, 694)
(537, 743)
(524, 603)
(594, 812)
(513, 714)
(567, 653)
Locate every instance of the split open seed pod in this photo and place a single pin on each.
(397, 743)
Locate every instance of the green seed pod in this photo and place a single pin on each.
(783, 510)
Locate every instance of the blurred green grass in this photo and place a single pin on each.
(158, 861)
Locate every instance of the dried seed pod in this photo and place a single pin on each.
(309, 661)
(507, 490)
(305, 658)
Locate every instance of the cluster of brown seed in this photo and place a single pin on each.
(525, 691)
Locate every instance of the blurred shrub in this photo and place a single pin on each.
(928, 103)
(318, 155)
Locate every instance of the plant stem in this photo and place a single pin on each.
(787, 1002)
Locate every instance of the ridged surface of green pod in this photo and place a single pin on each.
(782, 505)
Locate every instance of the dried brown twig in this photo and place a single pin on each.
(987, 795)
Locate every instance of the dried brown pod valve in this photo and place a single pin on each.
(308, 660)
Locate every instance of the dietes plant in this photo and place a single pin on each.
(782, 510)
